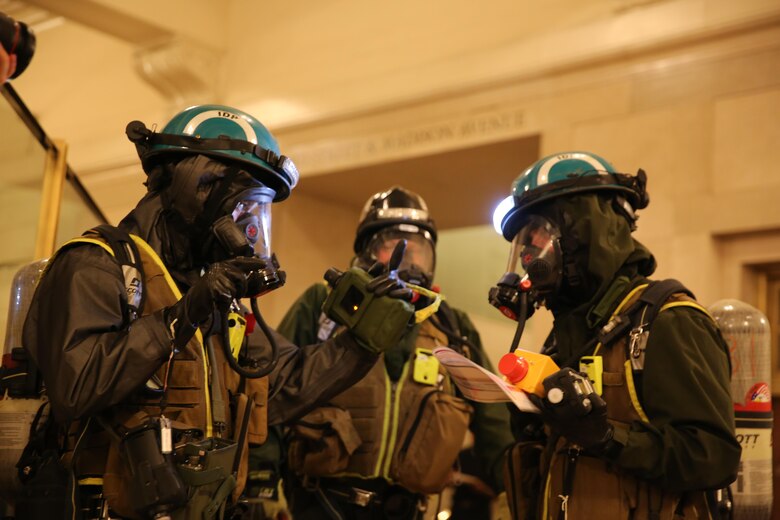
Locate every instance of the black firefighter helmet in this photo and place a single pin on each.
(389, 216)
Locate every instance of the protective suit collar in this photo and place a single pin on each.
(148, 220)
(597, 244)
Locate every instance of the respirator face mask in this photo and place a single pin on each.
(245, 229)
(253, 219)
(419, 261)
(536, 252)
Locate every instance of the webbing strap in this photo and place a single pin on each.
(656, 295)
(125, 250)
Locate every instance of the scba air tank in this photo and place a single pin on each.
(747, 334)
(20, 386)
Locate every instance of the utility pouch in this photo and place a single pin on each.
(47, 484)
(155, 486)
(47, 494)
(322, 442)
(429, 441)
(523, 478)
(206, 468)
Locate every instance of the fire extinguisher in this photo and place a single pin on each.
(746, 331)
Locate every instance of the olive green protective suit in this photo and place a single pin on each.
(489, 423)
(689, 442)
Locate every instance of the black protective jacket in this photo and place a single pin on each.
(92, 359)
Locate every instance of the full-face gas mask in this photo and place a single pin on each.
(536, 254)
(246, 228)
(419, 260)
(534, 273)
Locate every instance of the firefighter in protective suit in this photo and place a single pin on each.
(160, 410)
(393, 436)
(656, 429)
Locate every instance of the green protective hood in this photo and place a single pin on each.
(600, 242)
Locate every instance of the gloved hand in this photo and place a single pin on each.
(525, 426)
(220, 284)
(574, 410)
(386, 281)
(376, 310)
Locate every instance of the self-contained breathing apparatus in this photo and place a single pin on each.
(164, 460)
(22, 400)
(527, 219)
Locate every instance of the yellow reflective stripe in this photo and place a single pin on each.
(395, 425)
(385, 427)
(88, 241)
(157, 260)
(630, 372)
(72, 241)
(632, 391)
(628, 297)
(91, 481)
(687, 304)
(545, 503)
(619, 308)
(176, 292)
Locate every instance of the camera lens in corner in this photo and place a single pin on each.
(17, 38)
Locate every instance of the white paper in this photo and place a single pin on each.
(478, 384)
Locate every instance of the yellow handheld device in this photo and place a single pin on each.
(426, 367)
(526, 370)
(593, 367)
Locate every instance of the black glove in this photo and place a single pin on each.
(386, 281)
(525, 426)
(218, 287)
(572, 409)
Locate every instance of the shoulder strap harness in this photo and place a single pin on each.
(637, 319)
(119, 244)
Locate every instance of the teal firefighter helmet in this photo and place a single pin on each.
(569, 173)
(223, 133)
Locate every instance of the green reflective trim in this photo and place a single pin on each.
(394, 424)
(385, 426)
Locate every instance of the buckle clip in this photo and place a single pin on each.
(361, 497)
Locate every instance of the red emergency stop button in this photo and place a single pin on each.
(513, 367)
